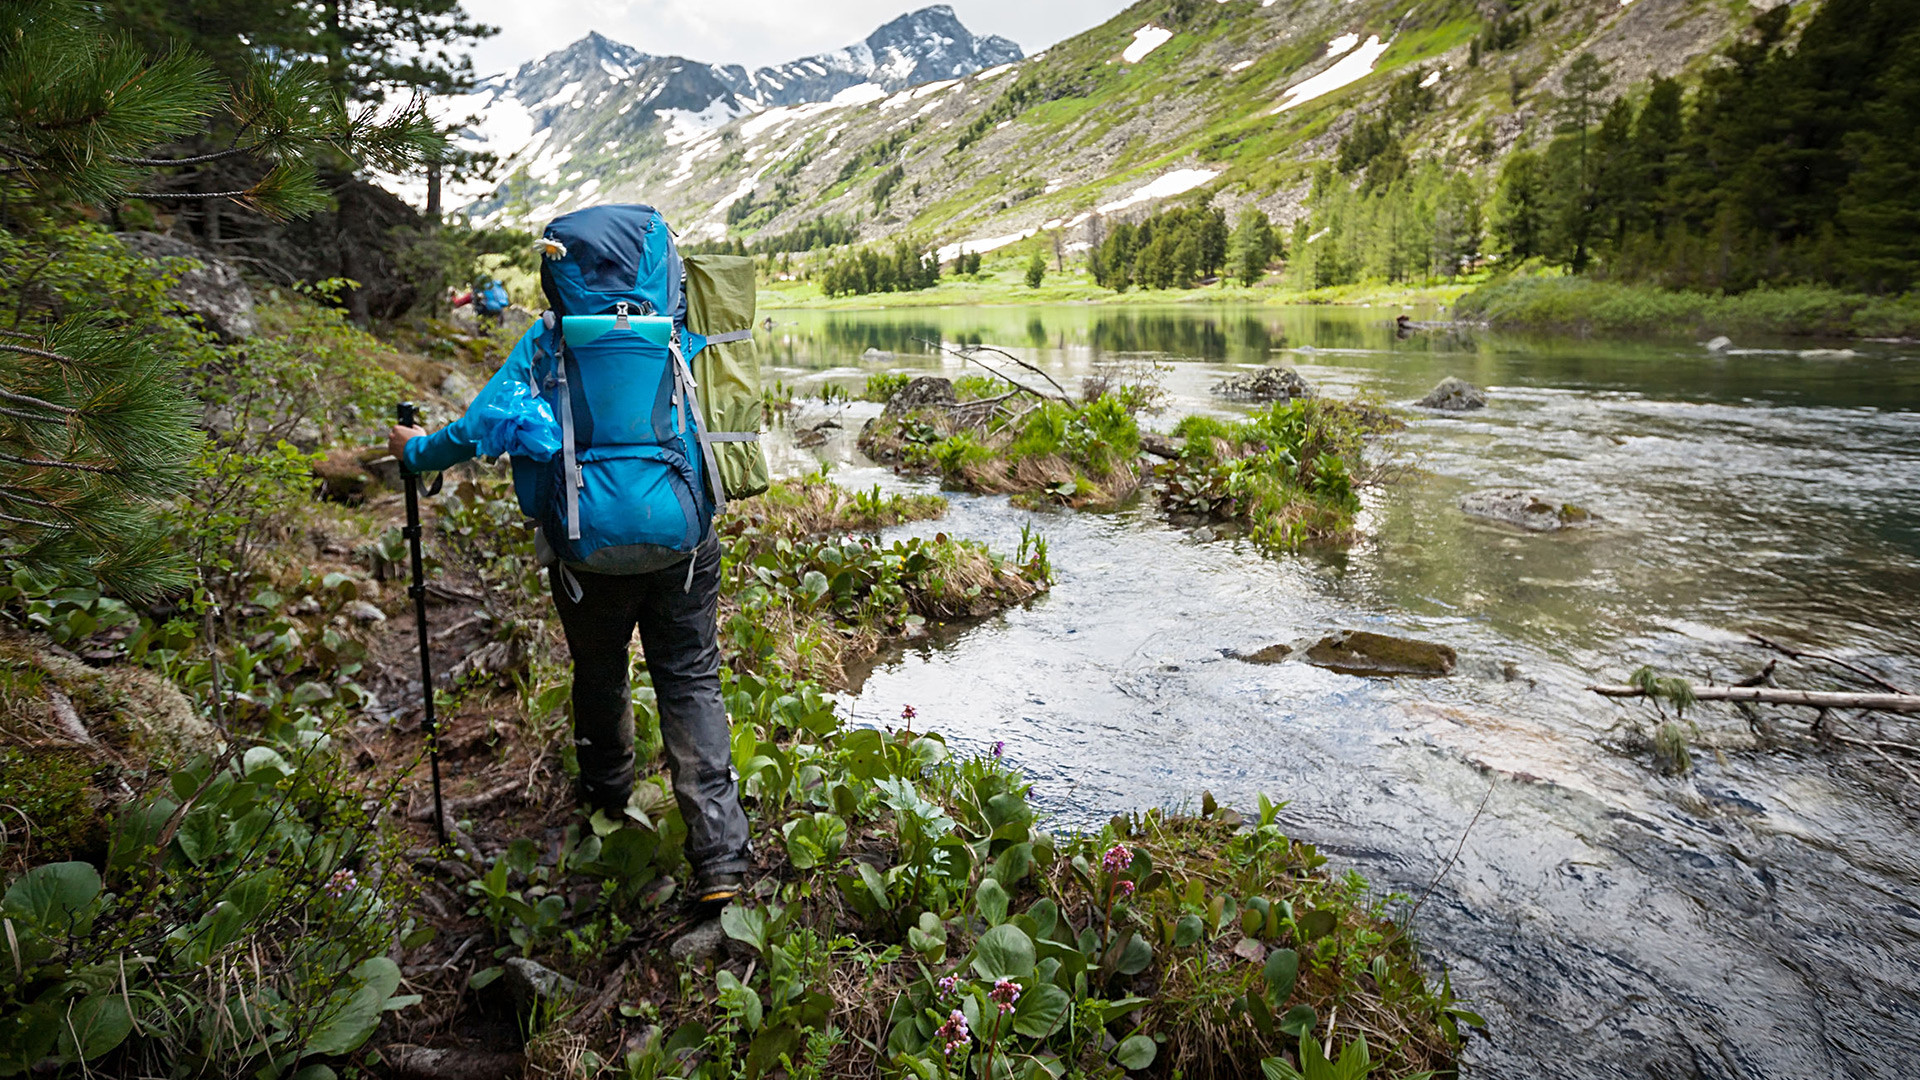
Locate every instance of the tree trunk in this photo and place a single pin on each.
(433, 192)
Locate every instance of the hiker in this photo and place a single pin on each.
(624, 485)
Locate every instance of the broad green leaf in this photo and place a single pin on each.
(1274, 1068)
(1317, 924)
(55, 897)
(200, 834)
(876, 886)
(1003, 952)
(1299, 1021)
(1041, 1010)
(746, 924)
(1187, 931)
(1135, 1052)
(1283, 968)
(94, 1026)
(261, 758)
(1135, 956)
(1013, 864)
(991, 901)
(484, 977)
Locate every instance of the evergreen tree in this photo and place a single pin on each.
(1575, 114)
(1036, 270)
(95, 425)
(1520, 206)
(1252, 246)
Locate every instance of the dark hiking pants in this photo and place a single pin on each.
(679, 635)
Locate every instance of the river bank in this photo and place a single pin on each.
(1585, 306)
(1004, 285)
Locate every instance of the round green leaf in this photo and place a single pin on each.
(1041, 1010)
(1003, 952)
(1187, 931)
(1135, 1052)
(1299, 1020)
(991, 901)
(1135, 957)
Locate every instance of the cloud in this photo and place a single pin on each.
(752, 32)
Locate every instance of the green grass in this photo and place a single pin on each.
(1584, 305)
(1000, 284)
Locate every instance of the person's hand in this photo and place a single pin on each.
(397, 440)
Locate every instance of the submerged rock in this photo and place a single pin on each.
(1454, 395)
(1720, 344)
(1363, 652)
(1827, 354)
(214, 292)
(1267, 384)
(1525, 510)
(926, 391)
(1271, 654)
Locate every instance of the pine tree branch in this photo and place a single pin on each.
(197, 159)
(52, 464)
(23, 399)
(30, 521)
(189, 194)
(42, 353)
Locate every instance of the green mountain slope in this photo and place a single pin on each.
(1169, 96)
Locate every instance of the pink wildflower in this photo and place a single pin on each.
(1118, 858)
(1004, 993)
(341, 883)
(949, 984)
(954, 1033)
(999, 747)
(908, 712)
(1126, 887)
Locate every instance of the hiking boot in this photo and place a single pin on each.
(716, 890)
(613, 804)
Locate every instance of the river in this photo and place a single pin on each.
(1758, 918)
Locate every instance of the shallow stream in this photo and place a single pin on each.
(1759, 918)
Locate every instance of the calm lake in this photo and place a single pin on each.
(1758, 918)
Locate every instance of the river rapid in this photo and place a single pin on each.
(1758, 918)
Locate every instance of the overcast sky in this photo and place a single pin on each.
(753, 32)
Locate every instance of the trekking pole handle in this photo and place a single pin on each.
(406, 414)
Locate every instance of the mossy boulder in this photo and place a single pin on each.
(1453, 394)
(1363, 652)
(1267, 384)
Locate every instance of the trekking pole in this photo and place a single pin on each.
(409, 416)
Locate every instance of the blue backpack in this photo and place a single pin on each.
(491, 298)
(635, 485)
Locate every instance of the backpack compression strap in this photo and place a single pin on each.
(570, 464)
(686, 389)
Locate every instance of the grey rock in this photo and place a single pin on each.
(529, 983)
(1454, 395)
(364, 612)
(1827, 354)
(457, 388)
(1267, 384)
(927, 391)
(699, 943)
(407, 1062)
(1525, 510)
(1720, 344)
(306, 436)
(1363, 652)
(214, 292)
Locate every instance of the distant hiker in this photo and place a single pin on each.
(623, 459)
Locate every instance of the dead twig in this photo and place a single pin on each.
(965, 355)
(1796, 654)
(1767, 695)
(473, 802)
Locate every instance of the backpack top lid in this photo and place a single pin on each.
(613, 254)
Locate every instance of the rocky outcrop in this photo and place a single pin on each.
(1454, 395)
(925, 392)
(530, 984)
(1525, 510)
(1267, 384)
(214, 292)
(1362, 652)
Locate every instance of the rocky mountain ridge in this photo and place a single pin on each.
(1241, 97)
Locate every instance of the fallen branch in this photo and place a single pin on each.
(472, 802)
(1060, 394)
(1768, 695)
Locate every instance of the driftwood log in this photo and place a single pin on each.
(1768, 695)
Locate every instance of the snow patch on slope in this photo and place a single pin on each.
(1177, 182)
(1349, 69)
(1145, 40)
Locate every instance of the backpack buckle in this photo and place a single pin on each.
(620, 317)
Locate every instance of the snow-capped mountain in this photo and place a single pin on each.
(576, 112)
